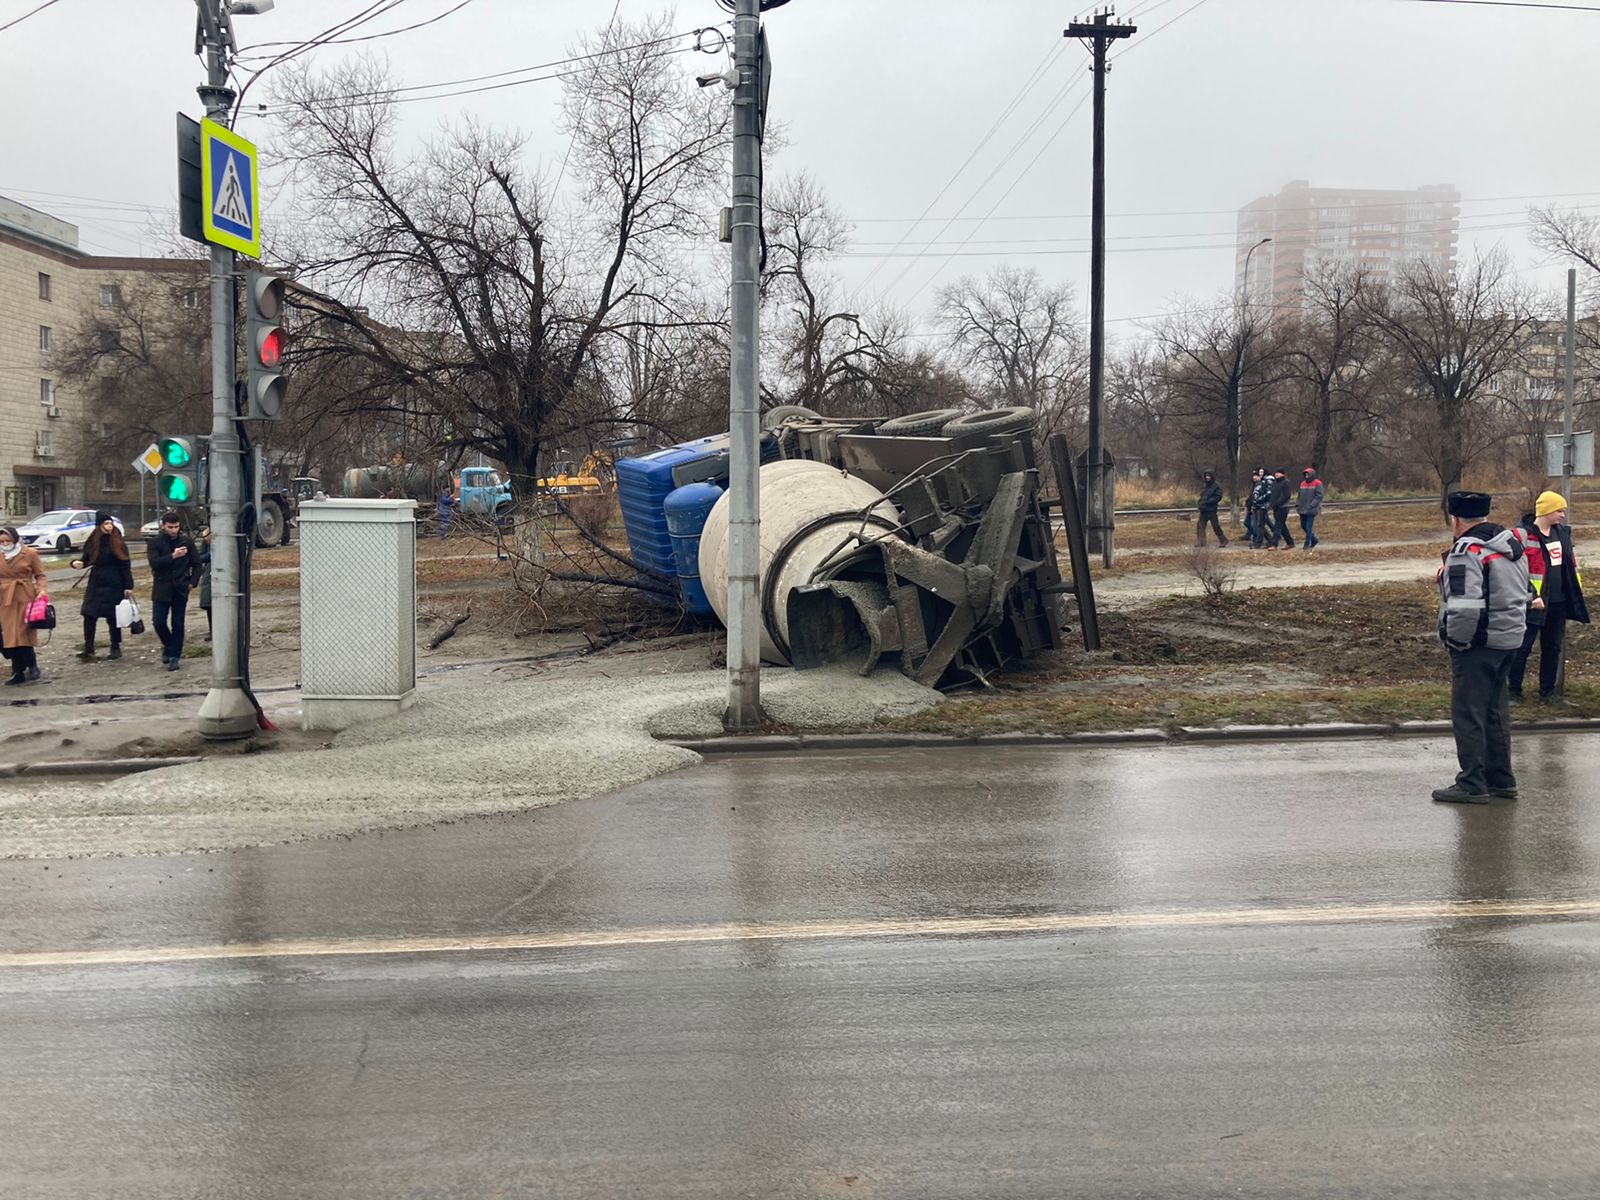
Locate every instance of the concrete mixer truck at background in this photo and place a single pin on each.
(475, 491)
(919, 540)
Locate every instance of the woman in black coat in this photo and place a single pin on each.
(110, 582)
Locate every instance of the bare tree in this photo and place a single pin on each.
(1022, 340)
(1330, 350)
(829, 359)
(491, 306)
(1456, 333)
(1221, 366)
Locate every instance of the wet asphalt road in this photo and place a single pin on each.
(1205, 971)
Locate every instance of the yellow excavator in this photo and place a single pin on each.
(595, 477)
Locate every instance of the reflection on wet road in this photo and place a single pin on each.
(1165, 971)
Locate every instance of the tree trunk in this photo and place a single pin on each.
(1324, 433)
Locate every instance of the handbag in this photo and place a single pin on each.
(129, 617)
(41, 613)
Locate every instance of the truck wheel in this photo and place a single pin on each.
(994, 420)
(775, 417)
(269, 524)
(920, 424)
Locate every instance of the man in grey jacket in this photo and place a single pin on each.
(1483, 611)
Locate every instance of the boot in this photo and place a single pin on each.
(116, 650)
(87, 653)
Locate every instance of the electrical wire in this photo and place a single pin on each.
(368, 37)
(1028, 85)
(1513, 4)
(30, 13)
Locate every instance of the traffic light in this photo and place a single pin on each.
(175, 482)
(265, 343)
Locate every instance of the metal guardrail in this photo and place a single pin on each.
(1327, 504)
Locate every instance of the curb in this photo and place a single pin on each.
(92, 766)
(790, 743)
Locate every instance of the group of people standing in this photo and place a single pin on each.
(1266, 519)
(178, 565)
(1500, 592)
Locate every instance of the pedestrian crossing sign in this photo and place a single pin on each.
(230, 187)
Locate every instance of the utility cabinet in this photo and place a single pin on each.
(358, 610)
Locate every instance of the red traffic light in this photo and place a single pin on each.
(270, 352)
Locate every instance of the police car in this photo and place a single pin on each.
(61, 530)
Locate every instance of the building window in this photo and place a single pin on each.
(110, 295)
(44, 286)
(110, 481)
(194, 298)
(44, 339)
(47, 391)
(42, 446)
(110, 339)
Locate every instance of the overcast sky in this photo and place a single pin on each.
(884, 100)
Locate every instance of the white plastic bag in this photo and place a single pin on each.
(127, 613)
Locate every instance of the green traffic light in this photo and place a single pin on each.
(175, 453)
(176, 489)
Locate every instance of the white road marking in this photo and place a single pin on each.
(1426, 912)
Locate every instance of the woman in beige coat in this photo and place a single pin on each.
(21, 580)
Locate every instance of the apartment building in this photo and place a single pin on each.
(51, 291)
(1311, 227)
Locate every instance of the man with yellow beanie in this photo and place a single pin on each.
(1558, 588)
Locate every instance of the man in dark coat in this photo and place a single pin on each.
(110, 582)
(1280, 511)
(1483, 609)
(1210, 498)
(174, 569)
(1261, 508)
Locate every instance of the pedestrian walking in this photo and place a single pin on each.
(1558, 595)
(174, 570)
(22, 581)
(1210, 498)
(110, 582)
(443, 509)
(1483, 612)
(1309, 506)
(205, 577)
(1280, 511)
(1261, 508)
(1249, 512)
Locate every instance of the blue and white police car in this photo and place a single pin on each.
(61, 530)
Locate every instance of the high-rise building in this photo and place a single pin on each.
(1311, 227)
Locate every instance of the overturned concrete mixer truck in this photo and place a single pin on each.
(919, 540)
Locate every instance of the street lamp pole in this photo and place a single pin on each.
(1238, 398)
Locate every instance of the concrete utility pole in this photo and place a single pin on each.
(226, 711)
(744, 424)
(1100, 31)
(1569, 446)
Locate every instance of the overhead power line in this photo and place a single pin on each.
(1513, 4)
(366, 37)
(31, 12)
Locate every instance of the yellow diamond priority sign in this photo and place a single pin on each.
(150, 460)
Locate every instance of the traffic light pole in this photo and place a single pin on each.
(227, 711)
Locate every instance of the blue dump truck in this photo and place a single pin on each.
(920, 540)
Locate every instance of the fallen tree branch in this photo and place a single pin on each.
(642, 585)
(446, 634)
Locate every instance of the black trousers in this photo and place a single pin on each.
(1208, 516)
(22, 659)
(1478, 713)
(1550, 636)
(170, 614)
(111, 624)
(1280, 526)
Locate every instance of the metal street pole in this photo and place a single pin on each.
(226, 711)
(1238, 398)
(1569, 449)
(744, 426)
(1099, 32)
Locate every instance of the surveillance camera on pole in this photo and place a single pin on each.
(726, 78)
